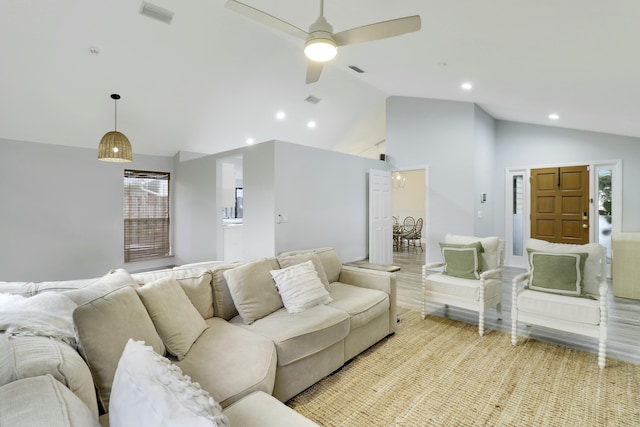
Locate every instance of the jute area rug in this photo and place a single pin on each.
(440, 372)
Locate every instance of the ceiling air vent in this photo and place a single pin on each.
(156, 12)
(312, 99)
(356, 69)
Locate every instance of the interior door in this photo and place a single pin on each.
(380, 218)
(560, 204)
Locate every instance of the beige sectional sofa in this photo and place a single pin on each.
(235, 337)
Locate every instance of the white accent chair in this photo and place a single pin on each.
(584, 315)
(471, 294)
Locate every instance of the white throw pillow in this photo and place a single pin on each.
(176, 319)
(150, 391)
(300, 287)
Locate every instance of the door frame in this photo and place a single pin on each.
(594, 166)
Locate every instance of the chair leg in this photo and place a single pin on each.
(499, 310)
(514, 326)
(602, 342)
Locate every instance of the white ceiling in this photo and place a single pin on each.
(212, 78)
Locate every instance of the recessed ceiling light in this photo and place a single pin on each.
(466, 86)
(280, 115)
(554, 116)
(250, 141)
(311, 124)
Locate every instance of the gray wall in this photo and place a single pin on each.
(440, 135)
(526, 145)
(325, 194)
(484, 158)
(62, 212)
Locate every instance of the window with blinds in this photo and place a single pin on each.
(146, 215)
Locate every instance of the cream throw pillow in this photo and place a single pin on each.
(104, 325)
(252, 290)
(150, 391)
(300, 287)
(291, 260)
(176, 319)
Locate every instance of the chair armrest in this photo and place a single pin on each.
(519, 279)
(432, 265)
(491, 274)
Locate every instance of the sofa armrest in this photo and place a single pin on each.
(373, 279)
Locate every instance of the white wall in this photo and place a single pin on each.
(62, 211)
(440, 135)
(525, 145)
(325, 195)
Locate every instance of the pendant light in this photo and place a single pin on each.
(115, 146)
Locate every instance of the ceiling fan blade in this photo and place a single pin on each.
(266, 19)
(377, 31)
(314, 69)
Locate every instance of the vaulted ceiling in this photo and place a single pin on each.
(212, 78)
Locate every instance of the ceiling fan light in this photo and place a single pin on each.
(320, 49)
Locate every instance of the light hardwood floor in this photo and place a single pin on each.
(623, 335)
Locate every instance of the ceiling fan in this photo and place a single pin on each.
(321, 43)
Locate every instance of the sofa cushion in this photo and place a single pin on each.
(148, 390)
(329, 258)
(489, 257)
(592, 267)
(104, 325)
(298, 335)
(114, 279)
(262, 410)
(32, 356)
(291, 260)
(300, 287)
(362, 304)
(467, 289)
(177, 321)
(562, 307)
(222, 300)
(42, 401)
(195, 282)
(253, 291)
(230, 362)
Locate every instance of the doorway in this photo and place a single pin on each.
(409, 202)
(603, 208)
(230, 201)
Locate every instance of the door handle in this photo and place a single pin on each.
(585, 225)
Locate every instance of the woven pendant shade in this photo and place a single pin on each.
(115, 146)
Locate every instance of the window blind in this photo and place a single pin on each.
(146, 215)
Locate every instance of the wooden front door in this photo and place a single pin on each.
(560, 204)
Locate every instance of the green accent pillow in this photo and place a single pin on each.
(558, 273)
(462, 260)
